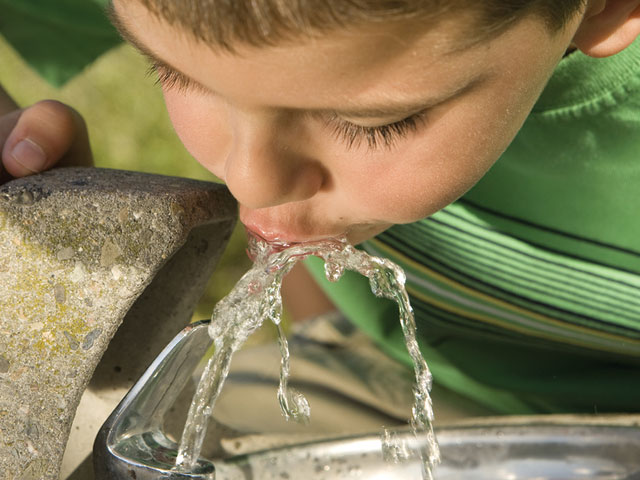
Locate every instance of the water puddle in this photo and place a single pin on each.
(256, 298)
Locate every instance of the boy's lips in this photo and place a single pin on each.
(288, 232)
(294, 229)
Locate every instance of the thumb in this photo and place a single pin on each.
(42, 135)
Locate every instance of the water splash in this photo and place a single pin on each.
(256, 297)
(293, 404)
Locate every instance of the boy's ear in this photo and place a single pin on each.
(608, 27)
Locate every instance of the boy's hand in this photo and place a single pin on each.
(36, 138)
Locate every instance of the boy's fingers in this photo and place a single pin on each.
(7, 122)
(45, 134)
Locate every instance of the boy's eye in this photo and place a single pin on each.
(352, 134)
(169, 78)
(375, 137)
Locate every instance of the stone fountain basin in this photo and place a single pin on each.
(509, 452)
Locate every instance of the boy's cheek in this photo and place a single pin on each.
(201, 128)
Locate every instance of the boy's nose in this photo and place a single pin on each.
(263, 170)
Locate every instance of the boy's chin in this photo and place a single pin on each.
(361, 233)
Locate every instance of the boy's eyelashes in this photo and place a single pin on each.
(382, 136)
(353, 135)
(169, 78)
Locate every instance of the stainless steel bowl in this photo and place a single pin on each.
(132, 443)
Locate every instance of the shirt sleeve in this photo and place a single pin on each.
(57, 38)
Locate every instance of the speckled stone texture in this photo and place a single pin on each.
(81, 250)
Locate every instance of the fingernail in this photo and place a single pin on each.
(30, 155)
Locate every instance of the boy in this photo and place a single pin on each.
(348, 118)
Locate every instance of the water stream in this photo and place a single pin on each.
(256, 298)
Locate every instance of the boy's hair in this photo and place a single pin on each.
(223, 23)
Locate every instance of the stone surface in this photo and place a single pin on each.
(80, 250)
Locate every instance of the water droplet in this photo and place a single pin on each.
(4, 365)
(73, 342)
(254, 287)
(65, 254)
(333, 271)
(109, 253)
(88, 341)
(25, 198)
(59, 293)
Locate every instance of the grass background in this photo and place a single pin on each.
(129, 129)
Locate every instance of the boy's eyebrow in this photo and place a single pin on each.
(131, 38)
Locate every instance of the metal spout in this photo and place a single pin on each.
(132, 442)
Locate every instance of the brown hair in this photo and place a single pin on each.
(267, 22)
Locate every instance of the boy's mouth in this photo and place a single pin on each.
(281, 236)
(288, 230)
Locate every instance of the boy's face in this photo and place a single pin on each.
(290, 128)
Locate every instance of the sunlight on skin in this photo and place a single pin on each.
(264, 119)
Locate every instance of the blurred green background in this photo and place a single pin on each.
(129, 129)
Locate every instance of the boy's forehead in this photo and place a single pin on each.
(354, 66)
(450, 32)
(360, 52)
(222, 25)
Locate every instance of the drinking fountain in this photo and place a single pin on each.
(133, 442)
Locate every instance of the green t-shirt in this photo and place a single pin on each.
(58, 38)
(527, 290)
